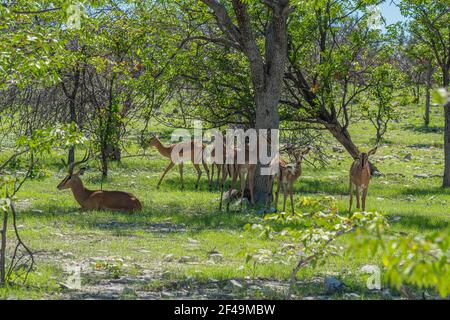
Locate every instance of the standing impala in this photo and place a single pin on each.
(166, 151)
(244, 171)
(97, 199)
(286, 175)
(360, 178)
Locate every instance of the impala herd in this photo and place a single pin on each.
(281, 171)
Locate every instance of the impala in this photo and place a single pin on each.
(245, 172)
(166, 151)
(360, 178)
(220, 165)
(287, 174)
(97, 199)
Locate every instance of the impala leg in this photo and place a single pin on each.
(350, 198)
(358, 202)
(170, 166)
(251, 179)
(291, 195)
(205, 165)
(180, 167)
(277, 194)
(285, 196)
(232, 185)
(219, 169)
(364, 195)
(242, 178)
(222, 187)
(267, 200)
(199, 174)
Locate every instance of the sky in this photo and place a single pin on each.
(390, 12)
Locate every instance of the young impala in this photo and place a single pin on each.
(286, 175)
(360, 178)
(97, 199)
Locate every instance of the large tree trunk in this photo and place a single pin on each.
(266, 71)
(267, 117)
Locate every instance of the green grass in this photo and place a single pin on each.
(163, 251)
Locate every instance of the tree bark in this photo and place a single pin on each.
(428, 95)
(446, 180)
(72, 96)
(73, 118)
(104, 159)
(343, 137)
(446, 83)
(267, 117)
(3, 249)
(266, 73)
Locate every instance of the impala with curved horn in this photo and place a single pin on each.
(97, 199)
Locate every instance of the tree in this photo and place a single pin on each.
(384, 97)
(415, 61)
(430, 24)
(266, 64)
(332, 53)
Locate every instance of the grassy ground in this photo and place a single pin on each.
(165, 251)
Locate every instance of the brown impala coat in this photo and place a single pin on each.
(166, 151)
(286, 175)
(99, 199)
(360, 178)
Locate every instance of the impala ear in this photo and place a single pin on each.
(372, 152)
(81, 171)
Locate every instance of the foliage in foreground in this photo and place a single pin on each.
(419, 260)
(308, 238)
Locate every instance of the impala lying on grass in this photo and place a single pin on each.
(360, 178)
(97, 199)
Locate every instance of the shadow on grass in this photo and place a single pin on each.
(164, 218)
(422, 222)
(330, 186)
(173, 213)
(425, 191)
(423, 129)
